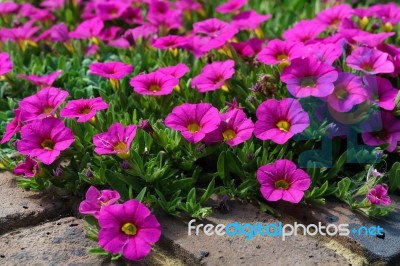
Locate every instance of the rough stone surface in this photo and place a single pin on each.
(62, 242)
(377, 250)
(226, 250)
(20, 207)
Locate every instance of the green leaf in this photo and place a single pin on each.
(116, 182)
(98, 251)
(141, 194)
(343, 188)
(208, 192)
(221, 165)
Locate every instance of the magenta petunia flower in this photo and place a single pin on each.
(234, 129)
(88, 29)
(176, 71)
(230, 6)
(370, 61)
(281, 180)
(326, 53)
(372, 40)
(248, 48)
(117, 140)
(169, 42)
(111, 70)
(154, 83)
(249, 19)
(304, 30)
(379, 195)
(334, 15)
(194, 121)
(214, 76)
(42, 81)
(388, 133)
(96, 200)
(59, 33)
(28, 168)
(111, 10)
(381, 91)
(161, 15)
(280, 52)
(128, 228)
(42, 104)
(348, 92)
(44, 139)
(83, 109)
(308, 77)
(13, 127)
(5, 64)
(211, 27)
(8, 7)
(280, 120)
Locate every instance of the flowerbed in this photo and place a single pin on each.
(160, 104)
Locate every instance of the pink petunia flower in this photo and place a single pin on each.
(334, 15)
(394, 56)
(379, 195)
(381, 91)
(6, 64)
(59, 33)
(372, 40)
(176, 71)
(83, 109)
(217, 34)
(42, 81)
(248, 48)
(169, 42)
(230, 6)
(44, 139)
(280, 120)
(112, 70)
(154, 83)
(96, 200)
(280, 52)
(22, 35)
(162, 16)
(214, 76)
(304, 31)
(28, 168)
(194, 121)
(326, 53)
(8, 7)
(348, 92)
(111, 10)
(249, 19)
(308, 77)
(42, 104)
(117, 140)
(88, 29)
(234, 129)
(388, 133)
(370, 61)
(13, 127)
(128, 228)
(281, 180)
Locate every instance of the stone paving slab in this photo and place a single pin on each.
(384, 250)
(20, 207)
(261, 250)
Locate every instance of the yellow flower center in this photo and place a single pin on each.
(308, 82)
(129, 229)
(228, 134)
(283, 125)
(388, 27)
(367, 67)
(282, 57)
(47, 144)
(48, 110)
(281, 184)
(193, 127)
(341, 93)
(154, 88)
(86, 111)
(120, 146)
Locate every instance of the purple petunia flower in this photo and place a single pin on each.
(42, 81)
(381, 91)
(5, 64)
(111, 10)
(169, 42)
(44, 139)
(304, 30)
(176, 71)
(230, 6)
(8, 7)
(117, 140)
(111, 70)
(281, 180)
(154, 83)
(326, 53)
(308, 77)
(194, 121)
(88, 29)
(249, 19)
(13, 127)
(214, 76)
(83, 109)
(280, 52)
(379, 195)
(280, 120)
(96, 200)
(128, 228)
(370, 61)
(334, 15)
(28, 168)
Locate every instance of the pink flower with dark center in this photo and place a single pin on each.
(372, 40)
(394, 56)
(117, 140)
(212, 27)
(88, 29)
(177, 71)
(13, 127)
(96, 200)
(42, 104)
(83, 109)
(348, 92)
(52, 5)
(379, 195)
(42, 81)
(249, 48)
(249, 19)
(309, 77)
(234, 129)
(111, 10)
(154, 83)
(326, 53)
(6, 64)
(334, 15)
(231, 6)
(28, 168)
(280, 52)
(370, 61)
(169, 41)
(22, 35)
(281, 180)
(304, 31)
(280, 120)
(388, 13)
(110, 33)
(111, 70)
(133, 15)
(44, 139)
(162, 16)
(381, 91)
(128, 228)
(59, 33)
(214, 76)
(194, 121)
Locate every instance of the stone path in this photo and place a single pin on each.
(36, 229)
